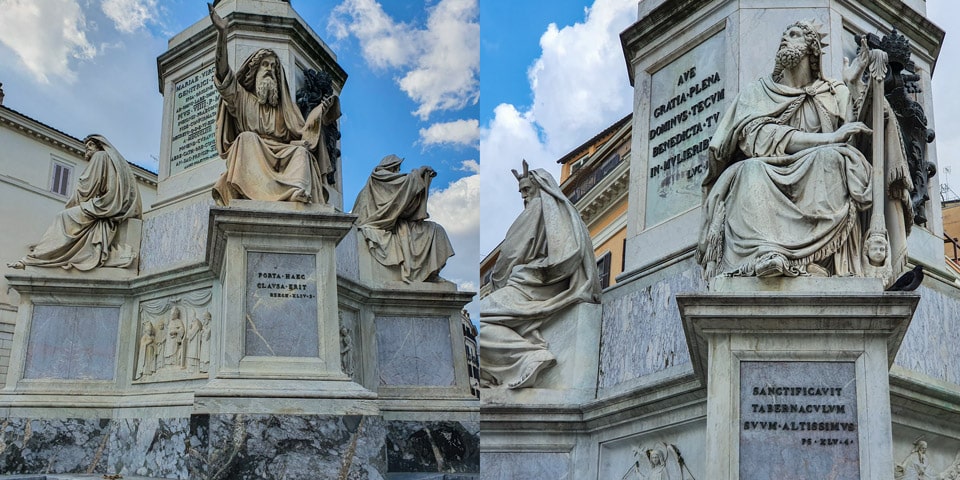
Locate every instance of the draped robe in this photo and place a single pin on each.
(392, 210)
(82, 236)
(805, 206)
(269, 152)
(545, 265)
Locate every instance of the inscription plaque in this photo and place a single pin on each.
(798, 420)
(687, 98)
(281, 305)
(193, 138)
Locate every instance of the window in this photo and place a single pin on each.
(60, 181)
(603, 266)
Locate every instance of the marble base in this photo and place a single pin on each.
(240, 447)
(574, 338)
(800, 376)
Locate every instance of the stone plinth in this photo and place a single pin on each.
(574, 338)
(280, 328)
(797, 382)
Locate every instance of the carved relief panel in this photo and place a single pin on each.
(173, 338)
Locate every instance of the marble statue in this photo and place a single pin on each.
(173, 347)
(271, 152)
(661, 462)
(205, 344)
(793, 176)
(914, 467)
(192, 341)
(545, 265)
(147, 354)
(346, 351)
(392, 217)
(84, 234)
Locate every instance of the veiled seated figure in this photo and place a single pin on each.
(83, 235)
(392, 210)
(546, 265)
(789, 193)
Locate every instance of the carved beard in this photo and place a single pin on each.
(267, 89)
(788, 57)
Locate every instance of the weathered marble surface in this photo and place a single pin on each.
(281, 305)
(414, 351)
(642, 331)
(175, 236)
(929, 347)
(72, 342)
(241, 447)
(348, 256)
(798, 454)
(525, 466)
(433, 447)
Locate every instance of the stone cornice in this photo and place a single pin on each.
(663, 18)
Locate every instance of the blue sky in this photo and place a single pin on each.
(85, 66)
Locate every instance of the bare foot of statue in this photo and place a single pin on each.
(300, 196)
(17, 265)
(771, 265)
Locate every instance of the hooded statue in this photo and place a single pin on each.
(392, 211)
(788, 193)
(82, 237)
(545, 265)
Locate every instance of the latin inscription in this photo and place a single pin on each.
(687, 98)
(193, 138)
(281, 305)
(284, 285)
(804, 412)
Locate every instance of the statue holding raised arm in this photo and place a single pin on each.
(272, 153)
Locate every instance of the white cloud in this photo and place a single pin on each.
(458, 132)
(445, 76)
(469, 166)
(130, 15)
(580, 86)
(456, 207)
(45, 36)
(385, 43)
(580, 81)
(439, 65)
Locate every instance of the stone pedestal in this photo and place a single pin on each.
(797, 382)
(280, 327)
(574, 338)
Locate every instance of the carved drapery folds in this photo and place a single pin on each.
(660, 461)
(174, 336)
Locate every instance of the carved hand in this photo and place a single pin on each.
(848, 130)
(218, 22)
(853, 70)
